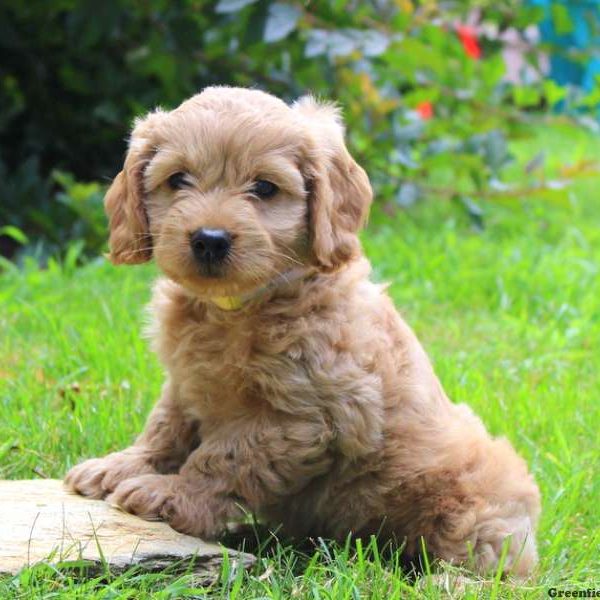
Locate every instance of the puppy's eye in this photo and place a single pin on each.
(264, 189)
(177, 181)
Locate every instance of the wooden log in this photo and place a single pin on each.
(42, 522)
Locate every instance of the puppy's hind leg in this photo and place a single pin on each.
(472, 501)
(505, 537)
(495, 505)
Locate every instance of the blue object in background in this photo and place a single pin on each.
(583, 34)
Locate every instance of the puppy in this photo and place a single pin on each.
(294, 389)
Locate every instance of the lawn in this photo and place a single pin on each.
(510, 316)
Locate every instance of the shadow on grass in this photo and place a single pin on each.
(263, 542)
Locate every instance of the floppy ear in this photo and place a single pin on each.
(130, 241)
(339, 190)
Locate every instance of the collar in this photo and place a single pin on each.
(229, 303)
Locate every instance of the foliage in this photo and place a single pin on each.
(421, 108)
(509, 318)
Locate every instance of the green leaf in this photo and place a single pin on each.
(526, 96)
(527, 15)
(74, 252)
(15, 233)
(493, 70)
(561, 19)
(591, 99)
(554, 93)
(231, 6)
(281, 21)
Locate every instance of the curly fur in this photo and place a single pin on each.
(314, 406)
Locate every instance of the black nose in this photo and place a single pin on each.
(210, 246)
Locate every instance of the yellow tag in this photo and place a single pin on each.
(227, 302)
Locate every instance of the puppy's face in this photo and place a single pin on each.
(226, 199)
(235, 187)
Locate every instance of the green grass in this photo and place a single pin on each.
(510, 317)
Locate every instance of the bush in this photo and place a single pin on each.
(421, 105)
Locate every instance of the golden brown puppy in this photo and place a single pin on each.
(294, 390)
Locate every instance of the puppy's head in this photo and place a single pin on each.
(234, 187)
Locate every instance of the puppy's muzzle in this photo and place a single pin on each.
(210, 248)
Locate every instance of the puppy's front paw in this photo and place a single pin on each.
(145, 496)
(98, 477)
(170, 498)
